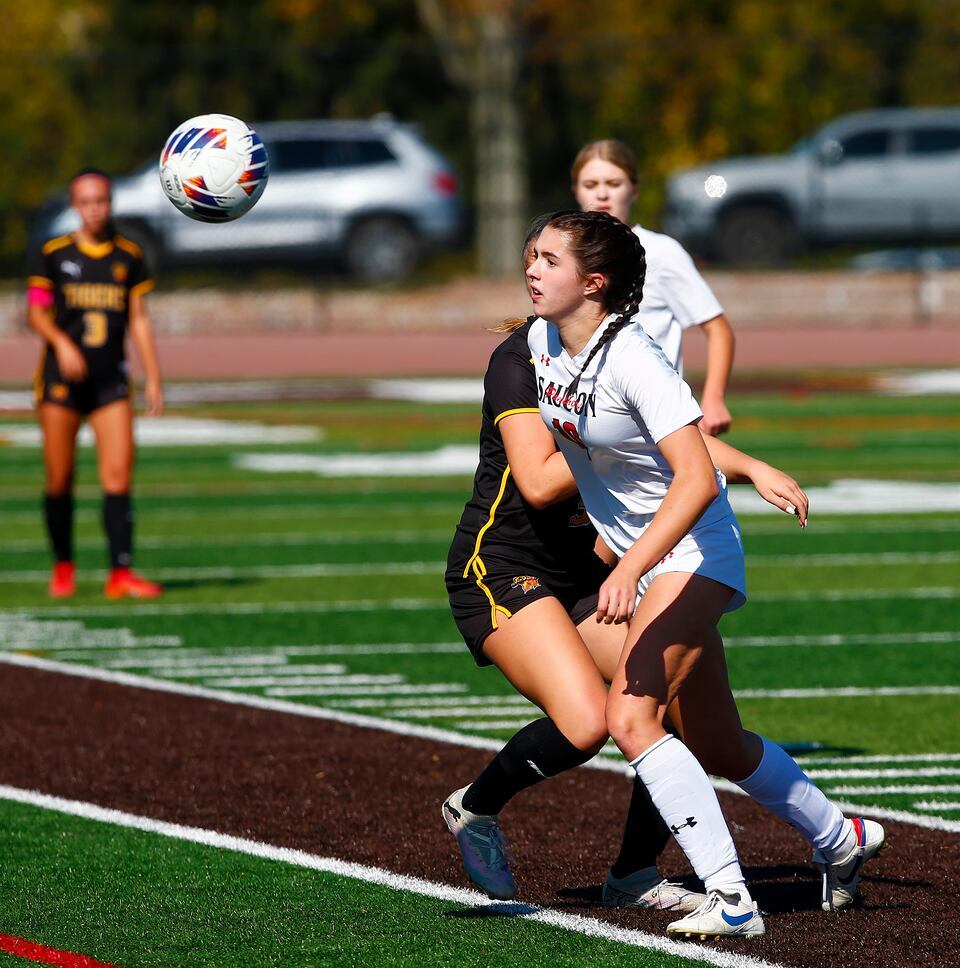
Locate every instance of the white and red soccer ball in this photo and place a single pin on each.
(214, 168)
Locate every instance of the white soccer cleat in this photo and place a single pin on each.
(720, 916)
(482, 848)
(639, 891)
(841, 878)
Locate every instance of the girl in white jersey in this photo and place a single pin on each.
(675, 295)
(627, 425)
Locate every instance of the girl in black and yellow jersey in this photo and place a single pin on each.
(523, 576)
(85, 292)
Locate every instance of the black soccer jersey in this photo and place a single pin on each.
(498, 528)
(91, 286)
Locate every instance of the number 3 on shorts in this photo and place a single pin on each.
(94, 329)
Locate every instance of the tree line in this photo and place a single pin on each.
(506, 89)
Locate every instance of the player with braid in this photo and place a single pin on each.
(523, 581)
(627, 425)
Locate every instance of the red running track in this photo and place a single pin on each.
(409, 354)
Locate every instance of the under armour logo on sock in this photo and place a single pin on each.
(691, 822)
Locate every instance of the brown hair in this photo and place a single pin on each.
(512, 324)
(609, 149)
(602, 244)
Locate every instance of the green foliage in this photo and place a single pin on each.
(103, 81)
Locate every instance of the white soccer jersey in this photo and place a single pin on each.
(629, 399)
(675, 295)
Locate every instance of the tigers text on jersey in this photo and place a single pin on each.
(91, 286)
(629, 399)
(498, 527)
(675, 295)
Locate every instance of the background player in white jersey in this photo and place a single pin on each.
(626, 423)
(86, 291)
(675, 295)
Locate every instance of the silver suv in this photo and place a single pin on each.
(874, 176)
(372, 195)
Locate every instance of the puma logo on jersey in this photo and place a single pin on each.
(71, 268)
(526, 582)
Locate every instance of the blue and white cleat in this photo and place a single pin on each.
(720, 916)
(841, 878)
(482, 848)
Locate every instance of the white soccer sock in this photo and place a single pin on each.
(781, 786)
(683, 794)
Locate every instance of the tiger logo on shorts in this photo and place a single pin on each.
(526, 582)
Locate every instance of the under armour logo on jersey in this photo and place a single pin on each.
(71, 268)
(691, 822)
(544, 359)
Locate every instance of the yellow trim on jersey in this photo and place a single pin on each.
(510, 413)
(480, 572)
(97, 250)
(128, 246)
(142, 288)
(60, 242)
(41, 282)
(483, 530)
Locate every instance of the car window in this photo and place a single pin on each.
(305, 155)
(865, 144)
(930, 141)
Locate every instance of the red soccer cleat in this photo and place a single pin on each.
(125, 583)
(63, 581)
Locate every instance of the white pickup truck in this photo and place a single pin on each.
(890, 175)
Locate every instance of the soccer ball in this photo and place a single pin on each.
(214, 168)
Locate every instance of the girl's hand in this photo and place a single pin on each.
(782, 491)
(72, 365)
(618, 596)
(153, 397)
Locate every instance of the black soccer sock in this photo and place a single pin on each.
(58, 512)
(538, 751)
(644, 836)
(118, 523)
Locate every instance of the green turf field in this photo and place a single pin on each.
(329, 591)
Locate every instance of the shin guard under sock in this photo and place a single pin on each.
(538, 751)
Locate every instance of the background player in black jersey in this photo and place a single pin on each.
(523, 579)
(85, 292)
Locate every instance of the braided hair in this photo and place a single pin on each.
(603, 244)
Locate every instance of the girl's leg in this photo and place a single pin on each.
(544, 658)
(59, 426)
(539, 651)
(673, 624)
(113, 427)
(634, 879)
(707, 716)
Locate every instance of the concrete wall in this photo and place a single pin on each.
(753, 300)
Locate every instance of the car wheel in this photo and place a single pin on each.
(757, 235)
(382, 249)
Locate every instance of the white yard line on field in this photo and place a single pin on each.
(420, 604)
(937, 805)
(284, 538)
(889, 791)
(409, 729)
(882, 774)
(257, 571)
(847, 691)
(260, 682)
(402, 689)
(875, 758)
(589, 927)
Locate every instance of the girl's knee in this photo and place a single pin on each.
(632, 724)
(587, 729)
